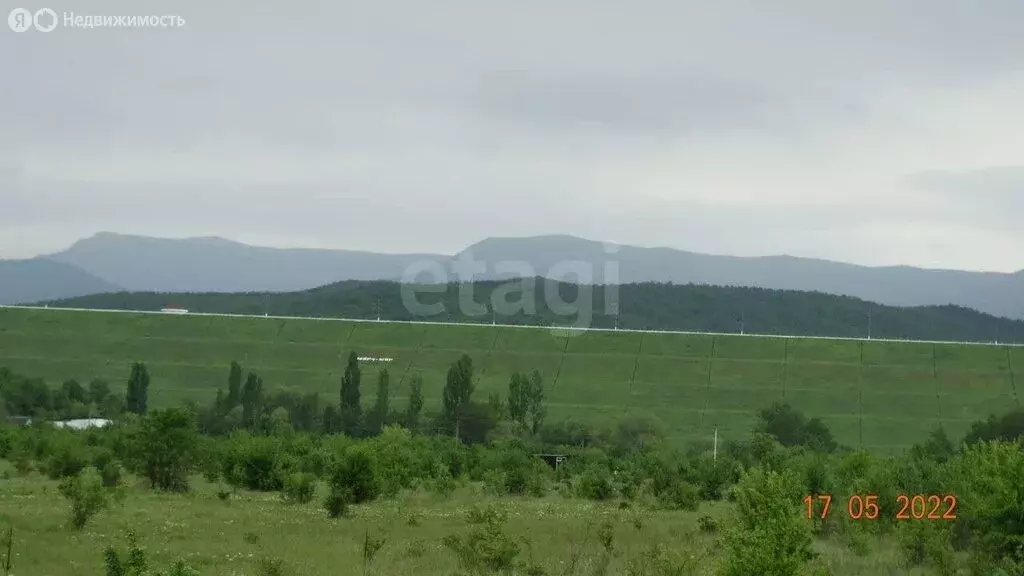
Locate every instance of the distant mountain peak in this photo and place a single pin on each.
(217, 264)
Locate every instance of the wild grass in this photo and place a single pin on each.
(252, 533)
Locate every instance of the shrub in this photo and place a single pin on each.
(443, 484)
(300, 487)
(135, 563)
(487, 548)
(595, 484)
(337, 502)
(398, 458)
(713, 477)
(257, 463)
(22, 463)
(101, 457)
(989, 475)
(354, 475)
(927, 543)
(769, 536)
(110, 473)
(6, 441)
(707, 524)
(67, 461)
(165, 448)
(86, 494)
(680, 496)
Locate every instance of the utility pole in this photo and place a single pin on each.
(378, 308)
(869, 325)
(714, 453)
(743, 321)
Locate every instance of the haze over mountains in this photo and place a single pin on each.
(109, 262)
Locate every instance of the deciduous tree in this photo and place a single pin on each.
(351, 408)
(458, 390)
(415, 406)
(137, 398)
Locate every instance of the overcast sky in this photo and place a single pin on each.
(869, 131)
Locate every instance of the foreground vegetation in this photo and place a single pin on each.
(878, 395)
(235, 487)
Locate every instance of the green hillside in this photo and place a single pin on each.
(648, 306)
(874, 394)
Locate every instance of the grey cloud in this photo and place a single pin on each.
(453, 121)
(992, 197)
(661, 104)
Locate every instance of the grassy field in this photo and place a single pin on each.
(878, 395)
(228, 538)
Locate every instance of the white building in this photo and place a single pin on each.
(83, 423)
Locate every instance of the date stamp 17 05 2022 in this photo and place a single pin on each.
(908, 506)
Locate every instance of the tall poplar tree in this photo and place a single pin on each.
(458, 389)
(351, 409)
(137, 397)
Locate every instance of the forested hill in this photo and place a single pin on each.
(640, 306)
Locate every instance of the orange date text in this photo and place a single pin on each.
(866, 506)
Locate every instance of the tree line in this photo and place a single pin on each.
(646, 306)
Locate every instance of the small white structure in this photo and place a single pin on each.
(373, 359)
(172, 310)
(83, 423)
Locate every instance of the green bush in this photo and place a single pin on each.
(86, 494)
(769, 536)
(134, 562)
(986, 479)
(22, 462)
(337, 502)
(399, 459)
(487, 549)
(442, 484)
(926, 543)
(353, 474)
(595, 484)
(680, 496)
(707, 524)
(111, 474)
(256, 463)
(300, 487)
(66, 461)
(6, 441)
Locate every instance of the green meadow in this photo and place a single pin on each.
(878, 395)
(230, 538)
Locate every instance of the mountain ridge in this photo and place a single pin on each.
(41, 278)
(217, 264)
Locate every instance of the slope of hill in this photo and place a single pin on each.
(878, 395)
(40, 278)
(641, 306)
(218, 265)
(993, 293)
